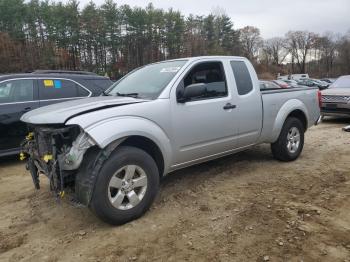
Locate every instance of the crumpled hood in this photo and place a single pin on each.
(336, 92)
(59, 113)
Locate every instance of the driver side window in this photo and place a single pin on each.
(212, 75)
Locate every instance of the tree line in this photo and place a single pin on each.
(113, 39)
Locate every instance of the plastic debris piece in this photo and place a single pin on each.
(346, 129)
(47, 158)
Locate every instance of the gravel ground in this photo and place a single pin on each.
(245, 207)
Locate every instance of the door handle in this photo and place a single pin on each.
(229, 106)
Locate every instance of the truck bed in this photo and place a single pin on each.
(276, 104)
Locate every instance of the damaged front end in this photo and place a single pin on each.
(57, 152)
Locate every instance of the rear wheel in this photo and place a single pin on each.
(290, 142)
(126, 186)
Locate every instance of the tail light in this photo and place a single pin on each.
(319, 95)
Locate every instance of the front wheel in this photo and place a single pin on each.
(290, 142)
(126, 186)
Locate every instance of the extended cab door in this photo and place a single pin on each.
(55, 90)
(206, 125)
(249, 103)
(17, 96)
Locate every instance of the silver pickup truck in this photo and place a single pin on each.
(110, 152)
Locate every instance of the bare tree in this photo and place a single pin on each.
(327, 47)
(278, 50)
(300, 44)
(251, 41)
(265, 54)
(344, 53)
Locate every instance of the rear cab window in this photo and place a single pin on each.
(60, 89)
(242, 76)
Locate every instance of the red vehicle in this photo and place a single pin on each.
(281, 83)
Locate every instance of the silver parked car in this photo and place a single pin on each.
(313, 83)
(111, 151)
(336, 99)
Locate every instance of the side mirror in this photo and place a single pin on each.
(192, 91)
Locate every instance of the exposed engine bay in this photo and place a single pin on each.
(56, 152)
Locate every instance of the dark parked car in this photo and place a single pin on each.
(328, 80)
(314, 83)
(21, 93)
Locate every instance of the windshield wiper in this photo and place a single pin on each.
(134, 95)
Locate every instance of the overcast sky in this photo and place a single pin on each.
(272, 17)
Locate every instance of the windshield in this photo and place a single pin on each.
(148, 81)
(341, 82)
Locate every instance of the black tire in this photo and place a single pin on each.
(123, 156)
(279, 149)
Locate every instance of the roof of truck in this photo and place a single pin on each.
(195, 58)
(208, 57)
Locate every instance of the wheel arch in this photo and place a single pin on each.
(292, 108)
(299, 114)
(109, 135)
(95, 157)
(147, 145)
(136, 131)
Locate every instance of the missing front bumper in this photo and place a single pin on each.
(43, 148)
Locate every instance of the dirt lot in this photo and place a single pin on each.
(246, 207)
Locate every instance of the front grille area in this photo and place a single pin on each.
(335, 99)
(44, 143)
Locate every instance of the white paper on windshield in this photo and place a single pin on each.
(173, 69)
